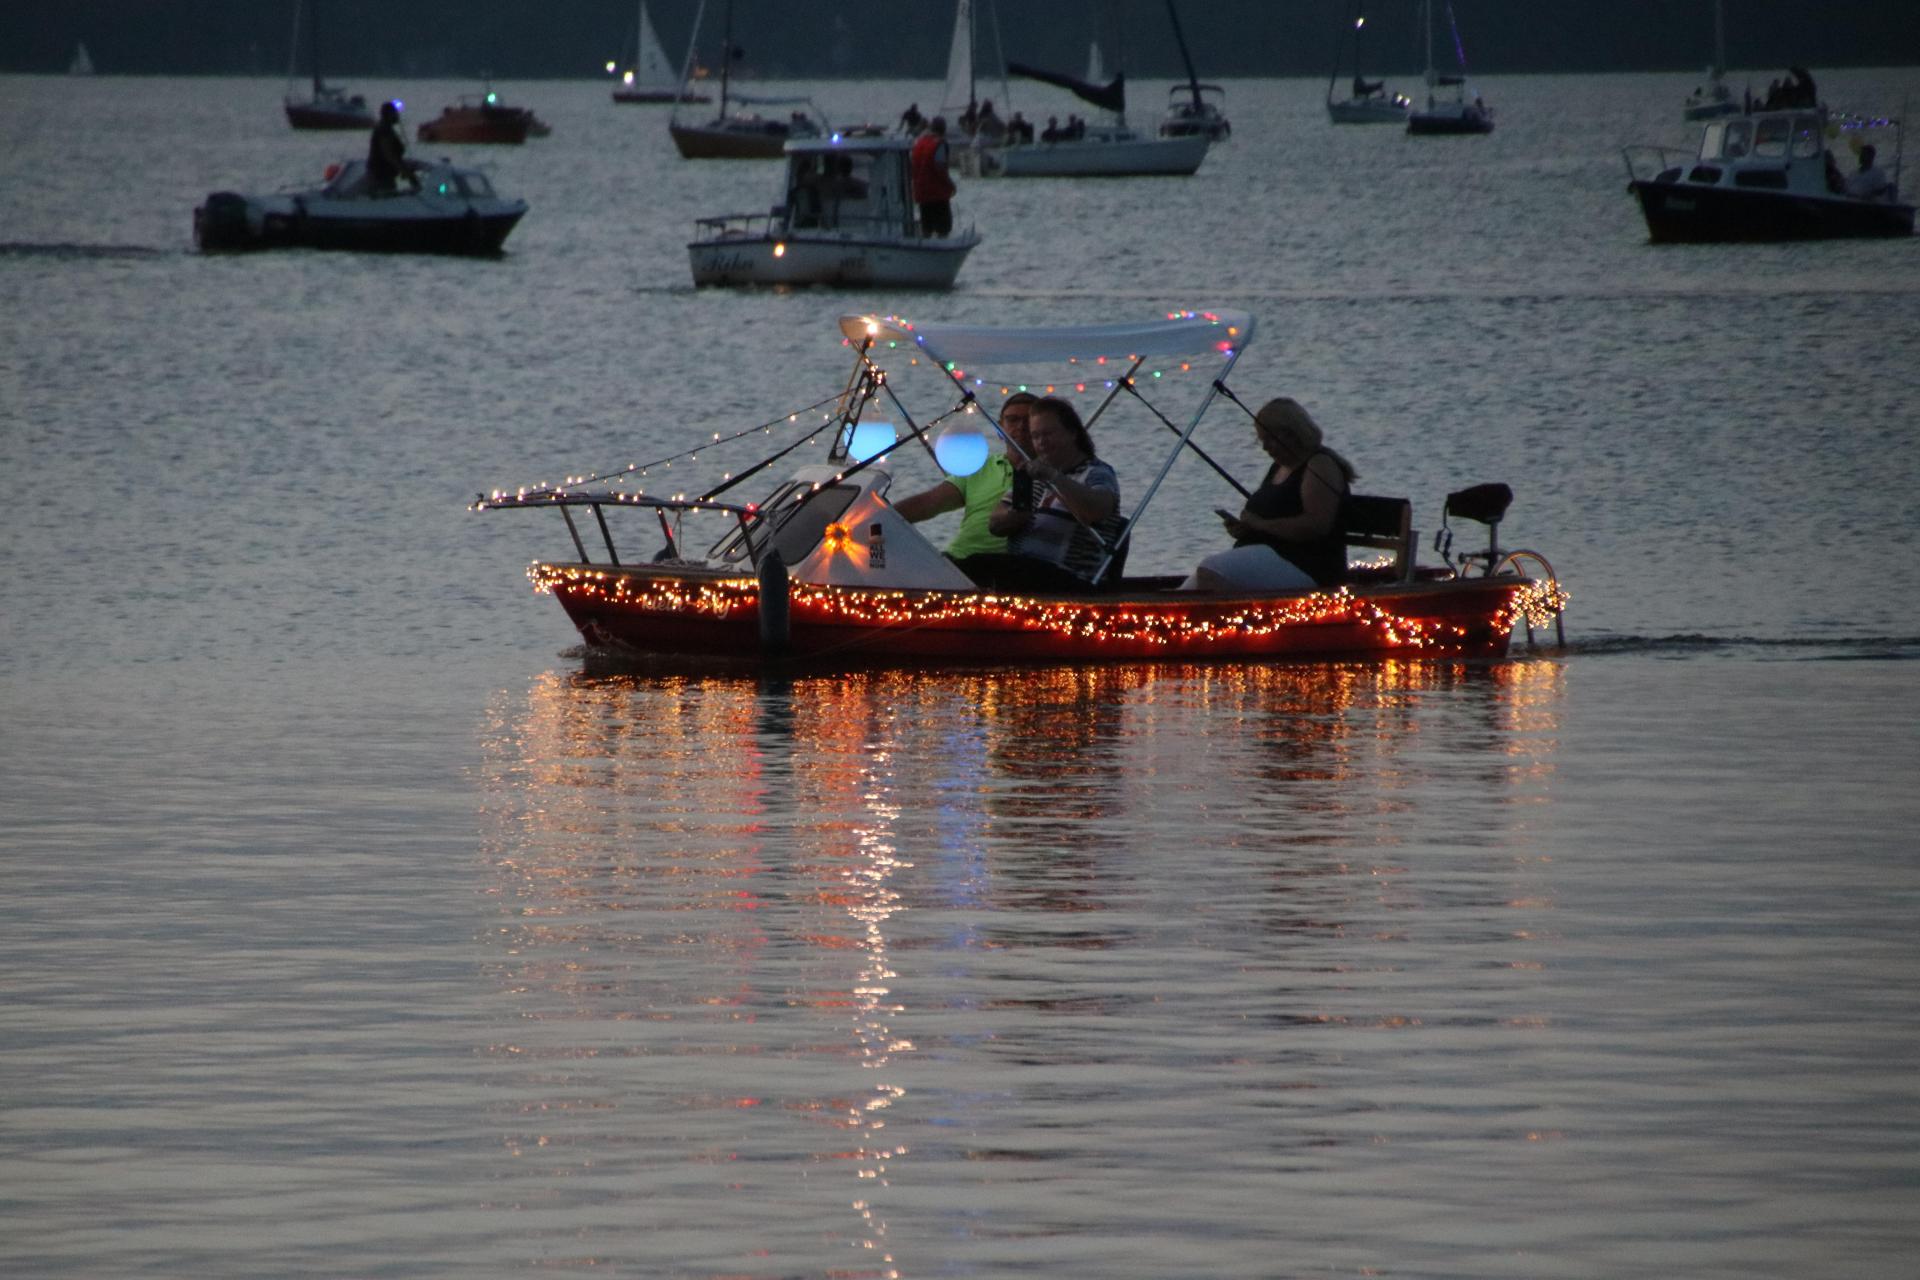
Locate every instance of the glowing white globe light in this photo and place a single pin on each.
(869, 438)
(961, 450)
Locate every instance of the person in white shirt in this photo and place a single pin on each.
(1870, 181)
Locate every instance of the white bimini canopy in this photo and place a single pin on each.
(1181, 333)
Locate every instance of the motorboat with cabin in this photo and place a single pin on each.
(482, 118)
(1771, 175)
(1193, 108)
(846, 218)
(453, 210)
(776, 562)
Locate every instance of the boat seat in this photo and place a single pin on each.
(1383, 524)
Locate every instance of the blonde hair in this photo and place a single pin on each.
(1287, 419)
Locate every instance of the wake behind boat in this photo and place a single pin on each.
(1770, 175)
(454, 210)
(825, 569)
(846, 218)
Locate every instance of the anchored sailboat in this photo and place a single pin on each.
(1449, 112)
(1370, 102)
(326, 106)
(1714, 99)
(652, 78)
(746, 136)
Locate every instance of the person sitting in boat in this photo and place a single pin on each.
(1019, 129)
(387, 153)
(1869, 181)
(1057, 540)
(980, 493)
(1288, 535)
(1052, 132)
(1365, 88)
(989, 127)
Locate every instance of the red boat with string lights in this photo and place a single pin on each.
(823, 568)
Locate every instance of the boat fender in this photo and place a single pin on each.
(776, 625)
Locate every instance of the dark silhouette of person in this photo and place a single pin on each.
(387, 153)
(932, 182)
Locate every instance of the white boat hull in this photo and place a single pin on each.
(846, 261)
(1094, 157)
(1367, 111)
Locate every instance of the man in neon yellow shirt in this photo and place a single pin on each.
(980, 492)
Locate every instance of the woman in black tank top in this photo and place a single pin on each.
(1289, 535)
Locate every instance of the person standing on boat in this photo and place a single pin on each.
(1869, 181)
(387, 152)
(911, 121)
(980, 493)
(1059, 541)
(1288, 535)
(932, 182)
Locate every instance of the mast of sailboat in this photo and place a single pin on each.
(313, 43)
(726, 54)
(686, 68)
(1180, 38)
(1333, 75)
(1719, 40)
(1426, 8)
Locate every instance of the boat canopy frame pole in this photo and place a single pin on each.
(1186, 438)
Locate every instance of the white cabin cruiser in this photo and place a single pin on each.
(452, 210)
(1771, 176)
(847, 218)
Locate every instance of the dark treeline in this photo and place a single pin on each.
(528, 39)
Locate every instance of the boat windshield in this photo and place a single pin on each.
(1771, 136)
(1727, 140)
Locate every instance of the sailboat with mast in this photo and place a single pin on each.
(651, 78)
(1107, 148)
(1203, 110)
(82, 64)
(1449, 112)
(326, 106)
(1370, 101)
(734, 135)
(1714, 99)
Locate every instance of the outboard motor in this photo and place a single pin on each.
(221, 223)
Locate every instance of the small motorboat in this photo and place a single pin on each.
(824, 569)
(482, 118)
(452, 210)
(1768, 175)
(846, 218)
(1196, 109)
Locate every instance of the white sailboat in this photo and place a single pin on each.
(1714, 99)
(1107, 148)
(1451, 111)
(1371, 102)
(651, 78)
(82, 64)
(1096, 68)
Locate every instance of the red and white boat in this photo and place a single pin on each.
(824, 570)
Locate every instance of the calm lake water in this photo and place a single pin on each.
(355, 927)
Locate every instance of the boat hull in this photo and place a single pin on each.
(713, 142)
(1443, 123)
(303, 115)
(678, 615)
(646, 97)
(396, 224)
(1367, 111)
(488, 127)
(1134, 157)
(1682, 212)
(849, 261)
